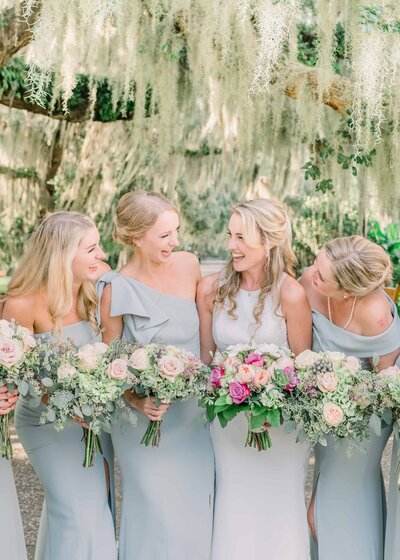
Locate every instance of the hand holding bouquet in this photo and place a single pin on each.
(255, 380)
(168, 374)
(16, 344)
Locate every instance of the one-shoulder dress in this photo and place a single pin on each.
(349, 508)
(77, 522)
(168, 491)
(12, 543)
(260, 510)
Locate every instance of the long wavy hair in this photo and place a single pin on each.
(47, 264)
(264, 222)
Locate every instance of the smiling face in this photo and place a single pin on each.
(159, 241)
(88, 256)
(322, 276)
(244, 256)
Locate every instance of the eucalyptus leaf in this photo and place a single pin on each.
(23, 388)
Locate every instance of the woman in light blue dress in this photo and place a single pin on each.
(12, 543)
(392, 541)
(52, 293)
(260, 510)
(167, 492)
(351, 314)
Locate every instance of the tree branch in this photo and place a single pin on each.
(15, 32)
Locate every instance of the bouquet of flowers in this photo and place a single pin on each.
(334, 396)
(16, 371)
(167, 373)
(255, 380)
(88, 383)
(388, 386)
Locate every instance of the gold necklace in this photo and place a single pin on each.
(351, 312)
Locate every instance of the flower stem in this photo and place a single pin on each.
(6, 445)
(92, 446)
(153, 434)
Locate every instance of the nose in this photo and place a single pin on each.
(174, 241)
(231, 245)
(100, 255)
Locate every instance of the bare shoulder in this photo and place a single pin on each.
(306, 278)
(22, 309)
(186, 259)
(374, 313)
(102, 268)
(208, 286)
(292, 292)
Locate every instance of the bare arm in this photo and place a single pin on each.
(112, 326)
(205, 302)
(297, 312)
(22, 310)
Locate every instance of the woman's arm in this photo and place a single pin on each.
(205, 296)
(297, 312)
(111, 326)
(22, 310)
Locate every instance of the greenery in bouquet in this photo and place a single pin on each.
(169, 374)
(334, 396)
(86, 383)
(17, 366)
(252, 379)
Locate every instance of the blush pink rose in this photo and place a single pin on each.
(332, 414)
(231, 363)
(29, 342)
(246, 373)
(392, 371)
(327, 382)
(65, 371)
(254, 359)
(170, 367)
(352, 364)
(283, 363)
(238, 391)
(262, 377)
(139, 359)
(10, 352)
(118, 369)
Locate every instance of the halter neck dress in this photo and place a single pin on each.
(168, 491)
(349, 509)
(259, 504)
(76, 522)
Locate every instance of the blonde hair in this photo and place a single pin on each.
(359, 266)
(136, 212)
(266, 219)
(47, 262)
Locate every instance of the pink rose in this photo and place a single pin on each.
(392, 371)
(118, 369)
(170, 367)
(139, 359)
(29, 342)
(255, 359)
(10, 352)
(231, 363)
(332, 414)
(246, 373)
(327, 382)
(65, 371)
(292, 378)
(238, 391)
(262, 377)
(216, 374)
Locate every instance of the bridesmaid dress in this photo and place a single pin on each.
(76, 522)
(350, 509)
(392, 541)
(12, 543)
(167, 492)
(260, 508)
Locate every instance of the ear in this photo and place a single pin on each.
(136, 241)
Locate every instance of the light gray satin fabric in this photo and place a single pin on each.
(392, 542)
(350, 509)
(12, 543)
(167, 492)
(77, 522)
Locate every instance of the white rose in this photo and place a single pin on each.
(337, 358)
(352, 364)
(332, 414)
(139, 359)
(267, 349)
(327, 382)
(306, 359)
(65, 371)
(28, 341)
(392, 371)
(171, 367)
(87, 358)
(172, 350)
(6, 328)
(99, 347)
